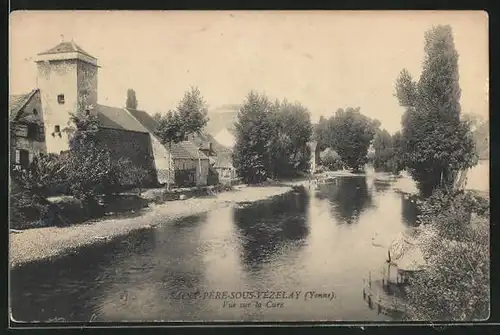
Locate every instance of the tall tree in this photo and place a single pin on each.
(350, 133)
(292, 130)
(436, 143)
(383, 150)
(253, 134)
(190, 117)
(131, 102)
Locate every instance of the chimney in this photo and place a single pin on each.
(210, 147)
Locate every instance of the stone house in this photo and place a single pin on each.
(27, 135)
(67, 82)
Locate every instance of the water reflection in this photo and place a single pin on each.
(348, 197)
(381, 186)
(69, 288)
(144, 285)
(409, 212)
(266, 227)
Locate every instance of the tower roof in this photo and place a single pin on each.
(66, 47)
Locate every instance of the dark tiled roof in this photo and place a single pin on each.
(186, 150)
(182, 150)
(65, 47)
(144, 118)
(118, 118)
(17, 102)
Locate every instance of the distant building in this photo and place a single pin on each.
(67, 82)
(224, 167)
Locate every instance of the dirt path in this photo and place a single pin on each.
(42, 243)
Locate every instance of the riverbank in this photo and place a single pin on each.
(44, 243)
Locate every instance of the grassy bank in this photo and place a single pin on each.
(43, 243)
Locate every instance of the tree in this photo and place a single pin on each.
(44, 172)
(88, 166)
(436, 143)
(190, 117)
(383, 150)
(387, 152)
(253, 137)
(131, 174)
(350, 133)
(271, 139)
(131, 102)
(456, 284)
(288, 149)
(331, 159)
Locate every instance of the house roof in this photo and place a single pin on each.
(118, 118)
(186, 150)
(17, 102)
(144, 119)
(182, 150)
(66, 47)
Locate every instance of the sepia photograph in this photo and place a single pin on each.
(249, 166)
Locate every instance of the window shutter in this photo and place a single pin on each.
(18, 156)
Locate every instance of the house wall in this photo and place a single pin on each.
(226, 173)
(202, 175)
(31, 113)
(161, 157)
(202, 166)
(135, 146)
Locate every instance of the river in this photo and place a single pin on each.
(306, 240)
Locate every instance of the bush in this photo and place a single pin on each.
(455, 286)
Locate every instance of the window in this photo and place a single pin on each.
(32, 131)
(35, 112)
(57, 129)
(24, 158)
(60, 99)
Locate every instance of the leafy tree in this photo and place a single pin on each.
(253, 137)
(131, 102)
(436, 143)
(383, 150)
(44, 172)
(288, 149)
(89, 169)
(190, 117)
(387, 152)
(131, 174)
(271, 139)
(455, 285)
(331, 159)
(349, 133)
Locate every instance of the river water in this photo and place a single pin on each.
(306, 240)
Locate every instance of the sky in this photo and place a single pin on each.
(323, 59)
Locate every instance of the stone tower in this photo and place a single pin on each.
(67, 79)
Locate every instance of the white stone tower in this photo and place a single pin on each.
(67, 79)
